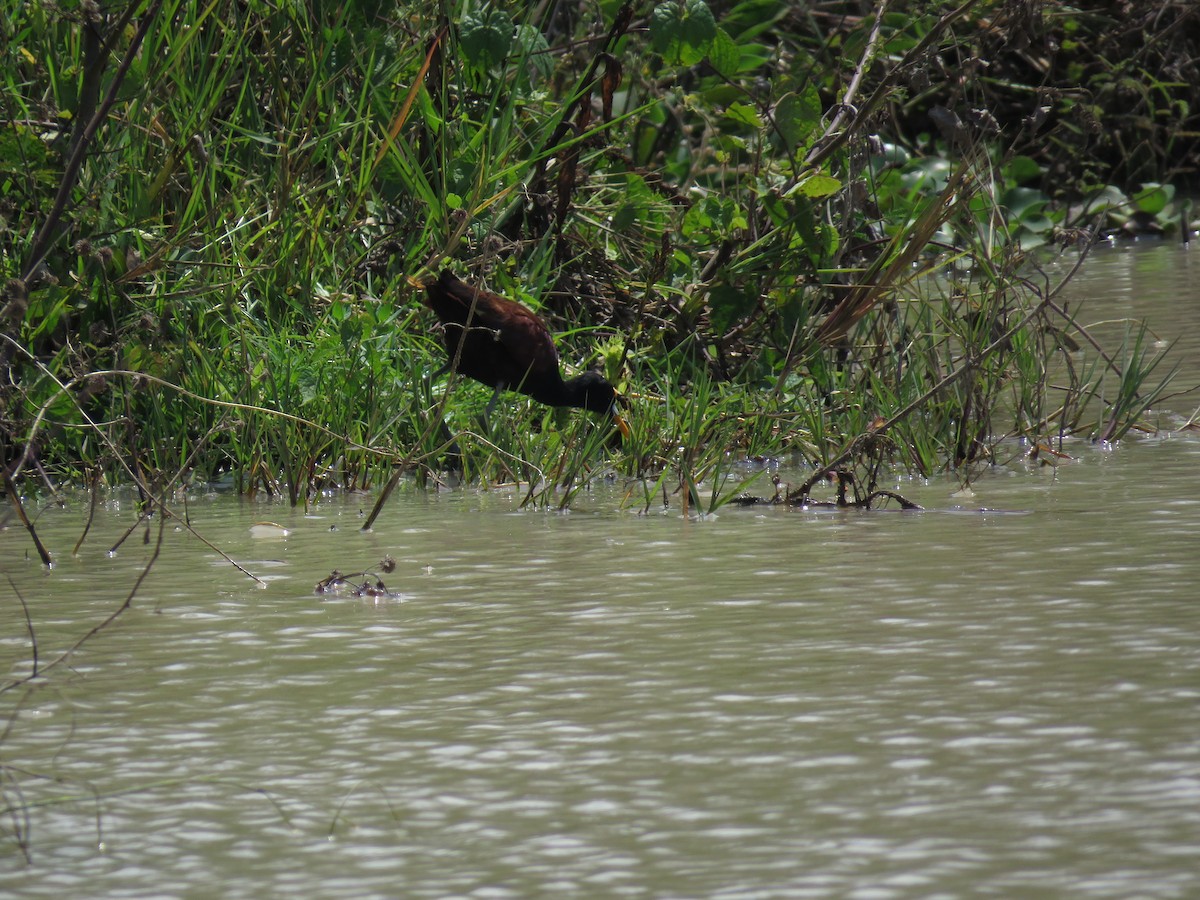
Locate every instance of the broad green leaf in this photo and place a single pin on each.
(754, 56)
(695, 220)
(753, 17)
(816, 186)
(533, 44)
(798, 116)
(1108, 197)
(682, 31)
(1022, 202)
(1021, 169)
(727, 304)
(1153, 198)
(637, 206)
(724, 55)
(486, 37)
(744, 114)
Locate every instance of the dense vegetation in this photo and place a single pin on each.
(802, 229)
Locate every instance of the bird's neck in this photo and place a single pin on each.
(575, 392)
(553, 391)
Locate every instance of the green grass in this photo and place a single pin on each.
(223, 293)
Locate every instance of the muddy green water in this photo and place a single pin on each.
(771, 704)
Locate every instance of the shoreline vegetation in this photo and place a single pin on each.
(817, 231)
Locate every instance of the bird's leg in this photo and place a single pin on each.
(487, 412)
(453, 455)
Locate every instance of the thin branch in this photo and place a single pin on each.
(91, 516)
(846, 104)
(11, 489)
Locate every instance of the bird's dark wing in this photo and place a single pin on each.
(518, 347)
(525, 337)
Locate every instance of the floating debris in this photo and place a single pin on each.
(370, 586)
(268, 531)
(845, 485)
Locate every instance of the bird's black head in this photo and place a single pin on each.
(591, 391)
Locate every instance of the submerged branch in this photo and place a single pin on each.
(15, 498)
(33, 644)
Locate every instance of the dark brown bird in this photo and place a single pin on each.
(506, 346)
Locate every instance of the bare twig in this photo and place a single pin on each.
(94, 491)
(846, 104)
(15, 498)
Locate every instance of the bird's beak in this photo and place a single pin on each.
(618, 419)
(621, 401)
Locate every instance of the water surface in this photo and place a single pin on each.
(997, 697)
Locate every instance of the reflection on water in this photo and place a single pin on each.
(770, 704)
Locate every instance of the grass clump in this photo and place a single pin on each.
(740, 212)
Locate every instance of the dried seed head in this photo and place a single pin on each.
(15, 301)
(93, 385)
(98, 333)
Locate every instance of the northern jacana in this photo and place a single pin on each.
(508, 347)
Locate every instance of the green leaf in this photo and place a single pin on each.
(816, 186)
(893, 155)
(743, 114)
(753, 17)
(1153, 198)
(1021, 169)
(532, 44)
(798, 116)
(682, 31)
(637, 207)
(696, 220)
(486, 37)
(724, 55)
(1105, 199)
(754, 56)
(927, 174)
(726, 305)
(1024, 202)
(712, 219)
(779, 211)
